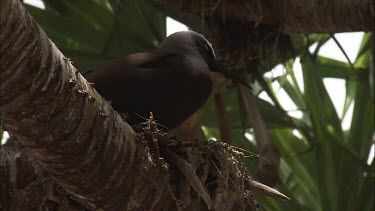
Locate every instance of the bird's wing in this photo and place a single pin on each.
(138, 77)
(164, 84)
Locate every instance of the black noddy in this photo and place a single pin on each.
(172, 81)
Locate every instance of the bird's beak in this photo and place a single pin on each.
(221, 69)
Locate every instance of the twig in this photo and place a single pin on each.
(251, 153)
(188, 171)
(346, 56)
(342, 50)
(230, 179)
(266, 190)
(178, 205)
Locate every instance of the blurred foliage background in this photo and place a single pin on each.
(323, 166)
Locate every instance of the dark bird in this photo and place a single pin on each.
(172, 81)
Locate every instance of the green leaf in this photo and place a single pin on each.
(366, 46)
(266, 85)
(362, 126)
(326, 127)
(101, 28)
(296, 157)
(71, 33)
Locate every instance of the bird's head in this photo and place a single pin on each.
(195, 42)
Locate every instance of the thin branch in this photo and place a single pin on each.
(266, 190)
(342, 50)
(346, 56)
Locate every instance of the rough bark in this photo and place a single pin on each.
(25, 186)
(289, 16)
(75, 138)
(65, 126)
(256, 34)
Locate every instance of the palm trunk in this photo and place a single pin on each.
(290, 16)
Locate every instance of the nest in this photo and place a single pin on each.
(208, 174)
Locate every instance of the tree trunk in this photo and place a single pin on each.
(289, 16)
(77, 152)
